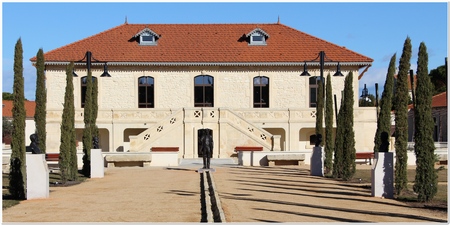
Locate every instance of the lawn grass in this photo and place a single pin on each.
(54, 180)
(440, 199)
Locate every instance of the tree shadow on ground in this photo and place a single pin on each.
(358, 211)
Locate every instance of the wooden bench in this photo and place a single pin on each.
(285, 159)
(366, 156)
(248, 148)
(52, 157)
(165, 149)
(52, 161)
(128, 160)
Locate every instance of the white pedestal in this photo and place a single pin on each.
(97, 164)
(383, 175)
(316, 166)
(37, 176)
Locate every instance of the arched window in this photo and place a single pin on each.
(204, 91)
(84, 88)
(313, 88)
(260, 92)
(146, 92)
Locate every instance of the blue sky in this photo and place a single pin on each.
(377, 30)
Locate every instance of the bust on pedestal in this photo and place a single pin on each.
(383, 170)
(316, 166)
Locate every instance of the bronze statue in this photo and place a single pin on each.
(34, 144)
(318, 140)
(207, 148)
(384, 147)
(95, 142)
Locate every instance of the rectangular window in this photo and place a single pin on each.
(313, 97)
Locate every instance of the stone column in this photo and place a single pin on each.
(37, 176)
(97, 164)
(383, 175)
(316, 165)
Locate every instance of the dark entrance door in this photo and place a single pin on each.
(199, 143)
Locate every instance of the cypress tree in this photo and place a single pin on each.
(319, 110)
(87, 132)
(329, 140)
(339, 141)
(18, 173)
(41, 101)
(426, 176)
(348, 147)
(401, 119)
(384, 119)
(68, 165)
(94, 108)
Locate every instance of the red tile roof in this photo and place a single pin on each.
(204, 43)
(30, 107)
(439, 100)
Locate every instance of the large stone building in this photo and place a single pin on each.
(169, 81)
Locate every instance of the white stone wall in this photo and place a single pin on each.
(288, 114)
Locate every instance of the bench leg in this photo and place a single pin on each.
(301, 162)
(145, 164)
(271, 163)
(110, 164)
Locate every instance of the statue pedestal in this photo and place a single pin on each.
(383, 175)
(316, 166)
(37, 176)
(201, 170)
(97, 164)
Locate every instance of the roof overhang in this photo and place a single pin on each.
(359, 64)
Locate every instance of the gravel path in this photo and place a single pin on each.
(247, 194)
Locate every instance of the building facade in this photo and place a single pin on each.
(168, 82)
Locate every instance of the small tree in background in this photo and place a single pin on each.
(384, 119)
(426, 176)
(68, 167)
(339, 142)
(329, 140)
(41, 101)
(401, 119)
(18, 173)
(348, 147)
(319, 110)
(95, 132)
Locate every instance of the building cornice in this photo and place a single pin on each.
(301, 64)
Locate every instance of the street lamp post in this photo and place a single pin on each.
(88, 56)
(321, 58)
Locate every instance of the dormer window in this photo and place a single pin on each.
(147, 37)
(257, 37)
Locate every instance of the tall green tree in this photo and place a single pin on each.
(384, 118)
(18, 173)
(369, 102)
(319, 110)
(348, 147)
(329, 140)
(94, 108)
(339, 142)
(426, 176)
(68, 165)
(87, 132)
(401, 119)
(7, 96)
(439, 79)
(41, 101)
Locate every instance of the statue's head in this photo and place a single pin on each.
(34, 138)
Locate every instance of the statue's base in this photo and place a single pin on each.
(201, 170)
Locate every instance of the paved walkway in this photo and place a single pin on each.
(247, 194)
